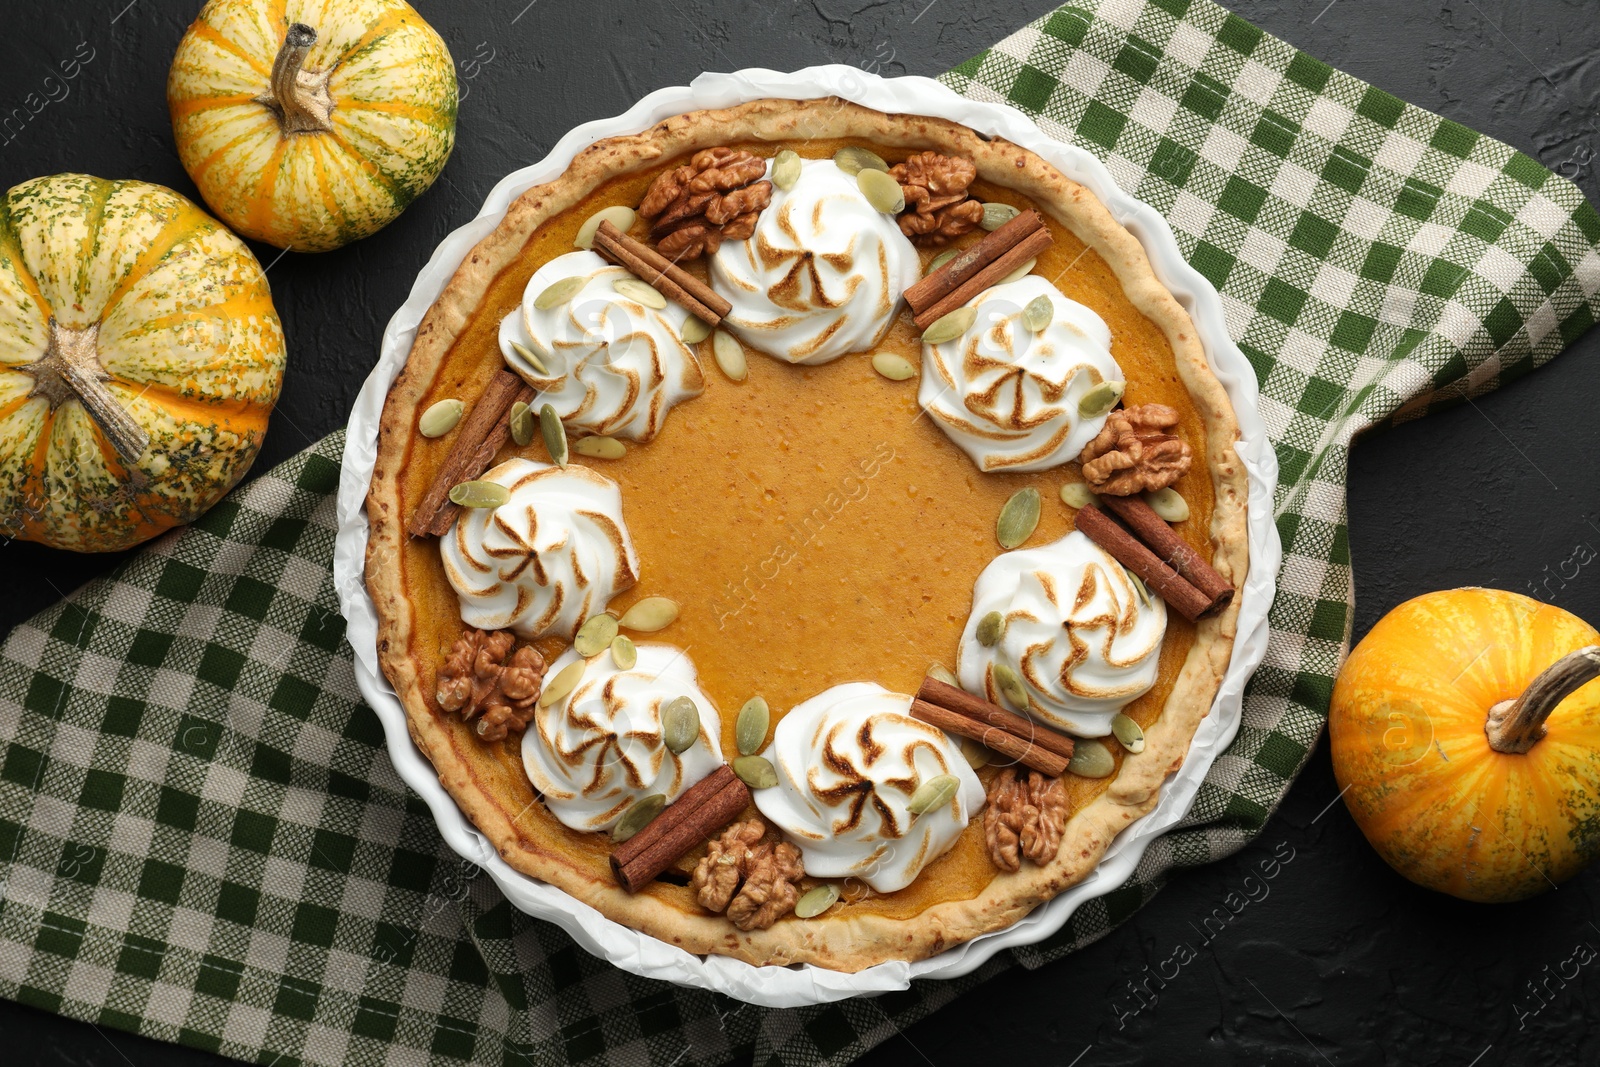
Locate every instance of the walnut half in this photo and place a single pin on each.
(1024, 818)
(716, 197)
(483, 675)
(768, 873)
(1134, 453)
(717, 875)
(938, 209)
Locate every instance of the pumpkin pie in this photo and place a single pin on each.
(806, 534)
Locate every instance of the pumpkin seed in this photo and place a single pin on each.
(1140, 589)
(1039, 313)
(1078, 495)
(943, 674)
(816, 900)
(1168, 503)
(557, 293)
(555, 434)
(750, 728)
(521, 424)
(479, 494)
(786, 169)
(595, 636)
(624, 653)
(941, 259)
(1129, 733)
(650, 614)
(1010, 685)
(535, 360)
(949, 327)
(729, 354)
(881, 191)
(757, 772)
(997, 215)
(991, 628)
(934, 794)
(1091, 759)
(1020, 273)
(640, 292)
(601, 447)
(694, 330)
(853, 160)
(619, 215)
(1018, 518)
(1101, 399)
(565, 681)
(640, 813)
(893, 367)
(975, 754)
(680, 725)
(440, 418)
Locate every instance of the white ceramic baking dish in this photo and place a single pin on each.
(806, 984)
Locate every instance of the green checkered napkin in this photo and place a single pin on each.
(202, 840)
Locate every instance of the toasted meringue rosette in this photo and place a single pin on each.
(611, 364)
(1009, 396)
(849, 761)
(822, 274)
(601, 748)
(552, 555)
(1082, 636)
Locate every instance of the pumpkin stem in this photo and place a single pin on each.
(300, 97)
(70, 370)
(1515, 726)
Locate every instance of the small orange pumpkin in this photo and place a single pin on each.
(1465, 731)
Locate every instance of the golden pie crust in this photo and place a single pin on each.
(849, 937)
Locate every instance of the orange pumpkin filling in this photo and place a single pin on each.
(814, 526)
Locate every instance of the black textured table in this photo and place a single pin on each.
(1334, 959)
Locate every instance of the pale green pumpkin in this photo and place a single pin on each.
(140, 356)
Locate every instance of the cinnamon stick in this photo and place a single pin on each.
(665, 276)
(964, 703)
(1128, 550)
(704, 808)
(1165, 542)
(1004, 742)
(482, 433)
(944, 281)
(1008, 261)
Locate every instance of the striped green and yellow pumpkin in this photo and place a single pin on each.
(140, 356)
(309, 124)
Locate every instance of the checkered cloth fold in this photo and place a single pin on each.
(202, 840)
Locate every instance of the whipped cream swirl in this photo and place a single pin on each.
(849, 760)
(1008, 396)
(612, 365)
(823, 273)
(1078, 633)
(598, 750)
(552, 555)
